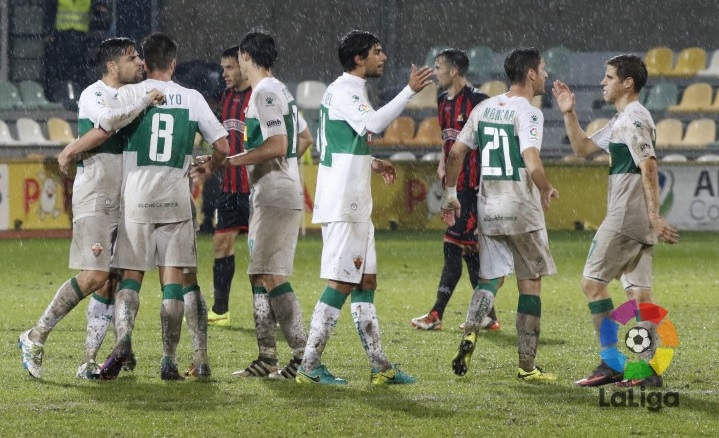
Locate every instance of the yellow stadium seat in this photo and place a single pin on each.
(595, 125)
(714, 107)
(428, 133)
(397, 133)
(689, 62)
(427, 98)
(699, 134)
(696, 97)
(713, 69)
(493, 88)
(669, 133)
(59, 130)
(659, 61)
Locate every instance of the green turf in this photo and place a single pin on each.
(488, 401)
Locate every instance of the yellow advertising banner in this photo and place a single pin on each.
(40, 197)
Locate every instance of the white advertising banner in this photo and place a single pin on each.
(4, 198)
(690, 196)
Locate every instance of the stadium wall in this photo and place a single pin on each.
(307, 30)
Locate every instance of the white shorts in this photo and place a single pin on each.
(272, 240)
(614, 255)
(348, 251)
(142, 247)
(92, 240)
(526, 254)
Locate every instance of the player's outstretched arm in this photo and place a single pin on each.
(113, 119)
(273, 147)
(535, 168)
(650, 186)
(305, 141)
(88, 141)
(581, 143)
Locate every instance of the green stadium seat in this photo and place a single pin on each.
(662, 96)
(689, 62)
(33, 96)
(556, 61)
(9, 97)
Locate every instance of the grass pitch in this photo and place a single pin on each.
(488, 401)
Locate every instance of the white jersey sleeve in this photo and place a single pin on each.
(529, 125)
(133, 100)
(210, 128)
(601, 137)
(637, 131)
(351, 106)
(270, 112)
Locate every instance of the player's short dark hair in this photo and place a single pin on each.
(260, 45)
(630, 66)
(231, 52)
(519, 61)
(159, 51)
(113, 49)
(356, 42)
(457, 58)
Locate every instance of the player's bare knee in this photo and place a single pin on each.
(91, 281)
(369, 282)
(594, 290)
(640, 294)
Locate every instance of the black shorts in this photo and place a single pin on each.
(464, 230)
(232, 212)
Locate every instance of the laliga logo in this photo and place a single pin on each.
(638, 340)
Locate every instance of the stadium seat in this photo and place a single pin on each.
(689, 62)
(309, 94)
(33, 96)
(669, 133)
(708, 158)
(402, 156)
(9, 97)
(714, 107)
(431, 156)
(571, 158)
(398, 132)
(595, 125)
(659, 61)
(425, 99)
(603, 158)
(699, 134)
(428, 133)
(432, 53)
(674, 158)
(493, 88)
(696, 97)
(29, 131)
(662, 96)
(6, 138)
(480, 60)
(713, 68)
(556, 62)
(59, 130)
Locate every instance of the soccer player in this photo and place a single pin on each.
(157, 226)
(272, 145)
(460, 240)
(506, 130)
(232, 206)
(343, 205)
(95, 206)
(623, 245)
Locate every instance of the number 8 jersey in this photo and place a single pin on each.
(501, 128)
(158, 152)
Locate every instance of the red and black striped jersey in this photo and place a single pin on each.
(453, 114)
(234, 107)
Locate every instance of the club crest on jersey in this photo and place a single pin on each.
(357, 260)
(97, 249)
(460, 118)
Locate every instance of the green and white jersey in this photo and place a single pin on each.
(501, 128)
(629, 138)
(157, 156)
(272, 111)
(99, 172)
(343, 192)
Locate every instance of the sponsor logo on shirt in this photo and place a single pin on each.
(355, 98)
(637, 124)
(534, 118)
(269, 101)
(645, 146)
(271, 123)
(234, 125)
(362, 108)
(460, 118)
(159, 205)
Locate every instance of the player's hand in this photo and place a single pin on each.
(664, 231)
(419, 78)
(156, 97)
(63, 160)
(565, 98)
(200, 169)
(385, 169)
(547, 196)
(451, 209)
